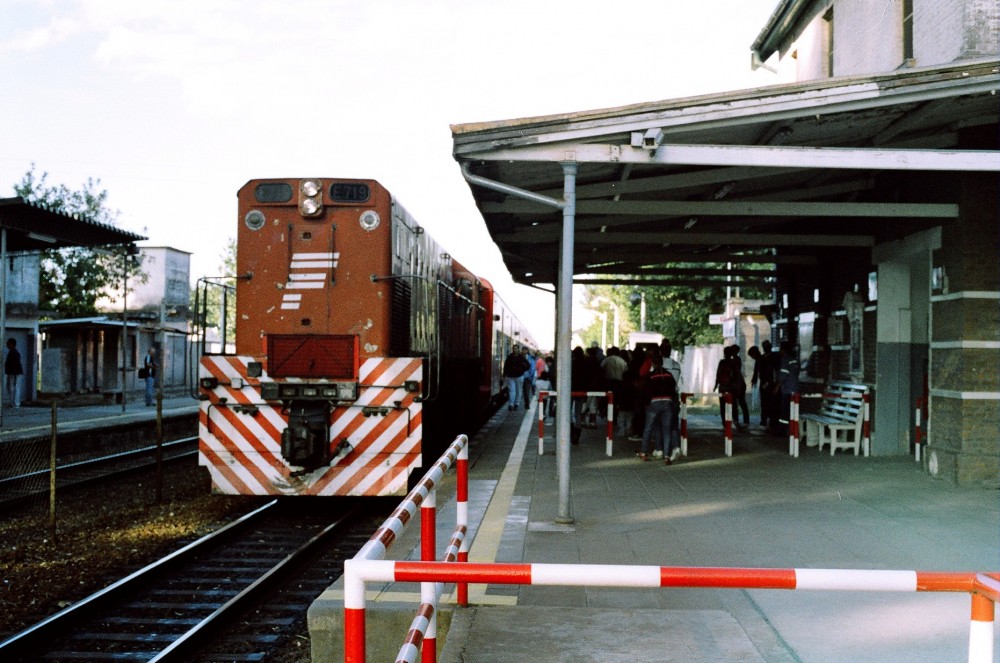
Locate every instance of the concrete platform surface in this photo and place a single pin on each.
(758, 508)
(30, 421)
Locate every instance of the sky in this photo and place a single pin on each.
(174, 104)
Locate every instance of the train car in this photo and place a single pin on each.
(362, 348)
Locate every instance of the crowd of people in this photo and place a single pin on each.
(646, 384)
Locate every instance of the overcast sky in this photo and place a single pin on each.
(175, 104)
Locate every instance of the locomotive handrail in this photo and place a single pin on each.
(424, 496)
(984, 589)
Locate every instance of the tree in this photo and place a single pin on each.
(74, 278)
(680, 313)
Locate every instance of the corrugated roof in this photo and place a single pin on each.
(33, 227)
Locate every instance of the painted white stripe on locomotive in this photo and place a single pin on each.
(316, 256)
(307, 276)
(236, 464)
(219, 481)
(292, 297)
(255, 430)
(290, 307)
(306, 285)
(377, 447)
(395, 430)
(313, 264)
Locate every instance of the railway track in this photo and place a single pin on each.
(27, 486)
(238, 594)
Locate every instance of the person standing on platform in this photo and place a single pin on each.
(514, 368)
(528, 383)
(739, 386)
(149, 363)
(763, 379)
(662, 391)
(725, 382)
(13, 371)
(672, 365)
(614, 368)
(788, 384)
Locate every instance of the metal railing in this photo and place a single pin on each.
(370, 565)
(983, 589)
(423, 632)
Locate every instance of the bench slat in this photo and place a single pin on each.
(841, 409)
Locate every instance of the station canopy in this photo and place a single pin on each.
(771, 175)
(33, 227)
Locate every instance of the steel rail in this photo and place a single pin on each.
(58, 624)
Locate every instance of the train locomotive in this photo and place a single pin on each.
(361, 347)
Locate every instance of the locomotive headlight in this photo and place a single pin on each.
(254, 219)
(369, 220)
(310, 187)
(310, 207)
(310, 197)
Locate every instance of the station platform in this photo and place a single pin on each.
(33, 421)
(759, 508)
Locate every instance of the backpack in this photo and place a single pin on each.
(725, 375)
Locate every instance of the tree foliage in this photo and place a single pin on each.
(680, 313)
(74, 278)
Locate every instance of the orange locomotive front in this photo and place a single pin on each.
(338, 324)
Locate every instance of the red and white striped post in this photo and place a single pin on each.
(866, 425)
(684, 423)
(542, 396)
(728, 425)
(985, 594)
(611, 423)
(793, 425)
(918, 438)
(462, 515)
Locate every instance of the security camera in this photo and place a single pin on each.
(652, 139)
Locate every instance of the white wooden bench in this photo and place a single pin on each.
(842, 409)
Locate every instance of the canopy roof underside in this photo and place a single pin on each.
(770, 175)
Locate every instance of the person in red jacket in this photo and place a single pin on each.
(661, 387)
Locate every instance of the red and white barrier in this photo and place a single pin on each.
(984, 590)
(866, 426)
(424, 497)
(728, 425)
(684, 423)
(918, 438)
(609, 436)
(793, 425)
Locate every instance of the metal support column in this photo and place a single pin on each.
(564, 331)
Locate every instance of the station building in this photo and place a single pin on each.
(865, 180)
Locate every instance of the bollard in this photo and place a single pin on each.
(611, 421)
(981, 630)
(542, 396)
(866, 425)
(684, 423)
(793, 425)
(728, 426)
